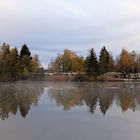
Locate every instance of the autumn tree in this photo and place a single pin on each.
(56, 64)
(14, 66)
(67, 62)
(126, 61)
(9, 62)
(35, 64)
(78, 63)
(6, 60)
(14, 63)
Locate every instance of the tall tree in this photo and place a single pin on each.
(103, 60)
(25, 51)
(138, 62)
(91, 64)
(125, 61)
(6, 61)
(67, 60)
(133, 57)
(78, 63)
(25, 61)
(56, 65)
(14, 63)
(35, 64)
(111, 63)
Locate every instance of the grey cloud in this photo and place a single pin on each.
(49, 26)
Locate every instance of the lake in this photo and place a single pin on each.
(69, 111)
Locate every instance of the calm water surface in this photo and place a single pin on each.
(69, 111)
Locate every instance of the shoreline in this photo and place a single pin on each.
(74, 78)
(85, 78)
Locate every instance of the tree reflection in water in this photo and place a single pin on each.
(18, 96)
(21, 96)
(124, 95)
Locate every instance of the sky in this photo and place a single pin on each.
(50, 26)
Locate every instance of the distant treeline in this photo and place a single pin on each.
(16, 65)
(125, 62)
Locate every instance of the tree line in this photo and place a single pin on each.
(16, 65)
(126, 62)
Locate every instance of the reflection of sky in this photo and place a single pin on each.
(49, 26)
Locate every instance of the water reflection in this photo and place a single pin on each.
(19, 96)
(124, 95)
(48, 121)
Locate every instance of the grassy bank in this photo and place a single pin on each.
(78, 77)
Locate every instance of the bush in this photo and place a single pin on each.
(80, 77)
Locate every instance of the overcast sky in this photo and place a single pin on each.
(49, 26)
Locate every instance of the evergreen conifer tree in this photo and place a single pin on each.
(103, 60)
(91, 64)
